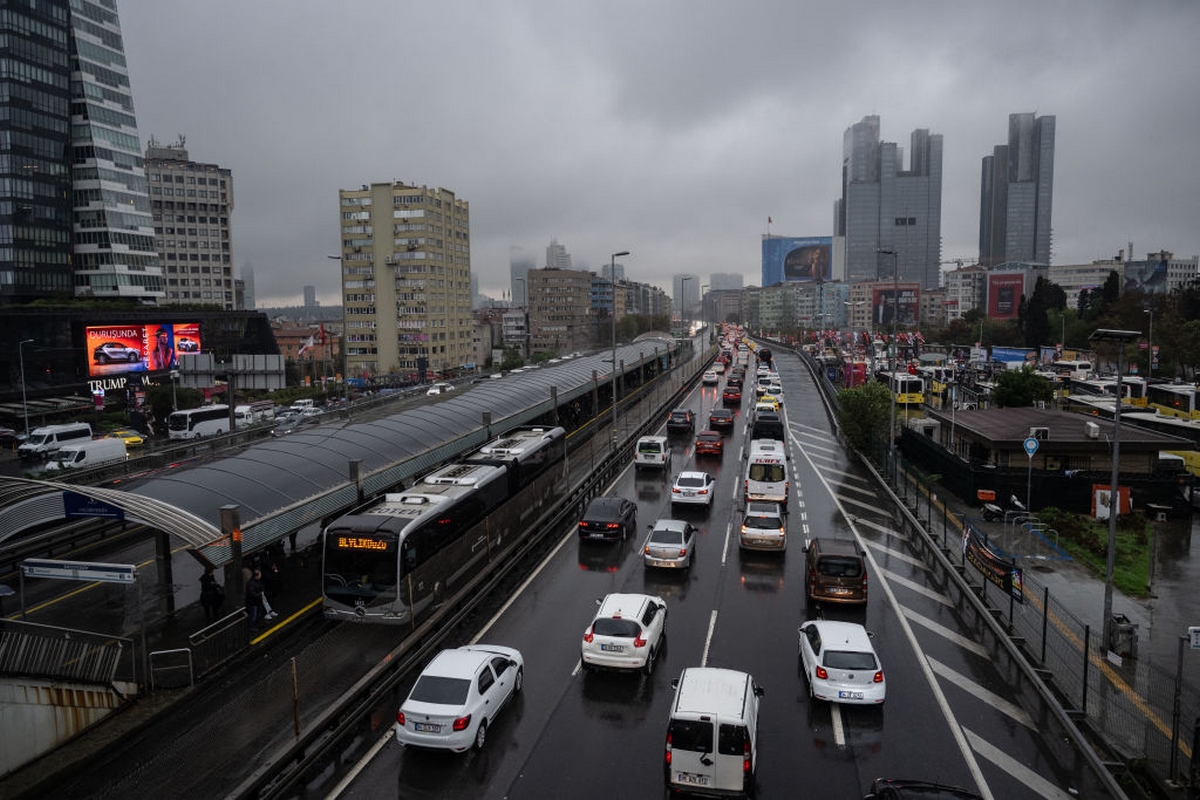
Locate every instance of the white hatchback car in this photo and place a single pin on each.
(839, 663)
(710, 378)
(627, 633)
(692, 487)
(440, 388)
(458, 695)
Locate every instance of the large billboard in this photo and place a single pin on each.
(122, 349)
(882, 304)
(786, 258)
(1004, 291)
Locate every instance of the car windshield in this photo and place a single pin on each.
(691, 481)
(849, 659)
(766, 473)
(624, 628)
(441, 690)
(666, 536)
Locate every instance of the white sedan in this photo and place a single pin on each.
(458, 695)
(839, 663)
(710, 378)
(697, 488)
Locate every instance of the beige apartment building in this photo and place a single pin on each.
(406, 280)
(560, 310)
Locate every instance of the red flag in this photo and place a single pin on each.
(322, 339)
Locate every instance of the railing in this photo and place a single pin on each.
(27, 648)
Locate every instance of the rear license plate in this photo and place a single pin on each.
(594, 535)
(427, 727)
(612, 648)
(691, 779)
(689, 494)
(850, 695)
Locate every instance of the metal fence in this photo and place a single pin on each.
(27, 648)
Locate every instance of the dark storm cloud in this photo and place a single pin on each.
(671, 129)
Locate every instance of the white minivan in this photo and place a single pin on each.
(44, 442)
(653, 452)
(88, 453)
(766, 472)
(712, 734)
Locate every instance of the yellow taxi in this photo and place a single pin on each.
(770, 398)
(131, 438)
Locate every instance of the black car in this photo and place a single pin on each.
(720, 419)
(608, 518)
(681, 420)
(735, 380)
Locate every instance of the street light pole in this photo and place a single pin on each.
(24, 402)
(1150, 347)
(1120, 339)
(892, 382)
(612, 277)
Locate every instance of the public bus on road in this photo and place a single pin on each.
(906, 388)
(407, 552)
(194, 423)
(1175, 399)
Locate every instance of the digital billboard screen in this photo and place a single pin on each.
(122, 349)
(786, 258)
(1004, 293)
(882, 304)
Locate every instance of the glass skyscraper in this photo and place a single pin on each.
(1017, 193)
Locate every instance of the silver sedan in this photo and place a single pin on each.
(671, 544)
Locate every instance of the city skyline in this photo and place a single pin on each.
(640, 140)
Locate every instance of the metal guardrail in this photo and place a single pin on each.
(52, 653)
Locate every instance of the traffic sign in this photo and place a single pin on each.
(1194, 633)
(79, 570)
(1031, 446)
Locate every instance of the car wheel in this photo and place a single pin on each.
(519, 682)
(648, 667)
(481, 734)
(102, 359)
(134, 358)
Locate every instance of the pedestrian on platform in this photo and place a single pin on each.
(254, 599)
(272, 585)
(212, 595)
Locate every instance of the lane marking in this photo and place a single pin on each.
(946, 633)
(863, 504)
(897, 555)
(849, 487)
(890, 531)
(937, 597)
(991, 698)
(1039, 785)
(725, 547)
(712, 623)
(839, 728)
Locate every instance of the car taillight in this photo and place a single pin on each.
(682, 552)
(746, 756)
(588, 636)
(878, 677)
(400, 718)
(639, 641)
(676, 490)
(611, 525)
(822, 674)
(668, 754)
(702, 491)
(461, 723)
(864, 583)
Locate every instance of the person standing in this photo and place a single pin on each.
(254, 599)
(212, 595)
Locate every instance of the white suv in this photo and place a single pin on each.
(627, 633)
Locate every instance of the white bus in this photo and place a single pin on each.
(196, 422)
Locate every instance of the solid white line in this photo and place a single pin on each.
(839, 729)
(521, 588)
(725, 547)
(1039, 785)
(368, 756)
(712, 623)
(945, 633)
(991, 698)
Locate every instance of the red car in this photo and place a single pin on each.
(709, 443)
(732, 396)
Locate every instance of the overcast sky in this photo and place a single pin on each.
(669, 128)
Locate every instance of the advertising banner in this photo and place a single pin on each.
(997, 570)
(882, 304)
(786, 258)
(123, 349)
(1004, 293)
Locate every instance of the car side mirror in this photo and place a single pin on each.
(759, 691)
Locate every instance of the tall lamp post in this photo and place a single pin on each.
(1120, 339)
(895, 351)
(704, 313)
(1150, 346)
(24, 402)
(612, 276)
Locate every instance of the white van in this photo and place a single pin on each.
(766, 472)
(258, 411)
(91, 453)
(300, 406)
(44, 442)
(712, 734)
(652, 452)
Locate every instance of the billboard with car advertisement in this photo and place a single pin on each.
(786, 258)
(1004, 291)
(882, 304)
(122, 349)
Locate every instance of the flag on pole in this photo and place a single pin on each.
(304, 348)
(322, 339)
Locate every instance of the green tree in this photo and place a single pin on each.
(512, 358)
(1017, 388)
(862, 411)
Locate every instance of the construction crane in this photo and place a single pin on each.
(957, 261)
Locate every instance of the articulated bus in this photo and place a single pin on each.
(1133, 389)
(935, 381)
(1175, 399)
(407, 552)
(906, 388)
(196, 422)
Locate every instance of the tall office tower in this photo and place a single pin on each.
(609, 268)
(115, 254)
(248, 298)
(1017, 192)
(685, 292)
(310, 297)
(725, 282)
(35, 174)
(519, 264)
(884, 206)
(191, 204)
(406, 280)
(557, 256)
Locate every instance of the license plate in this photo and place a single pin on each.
(689, 494)
(841, 591)
(691, 779)
(612, 648)
(595, 535)
(850, 695)
(427, 727)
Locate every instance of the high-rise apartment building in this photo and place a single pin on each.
(74, 190)
(560, 316)
(887, 207)
(310, 296)
(191, 203)
(557, 256)
(1017, 192)
(406, 279)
